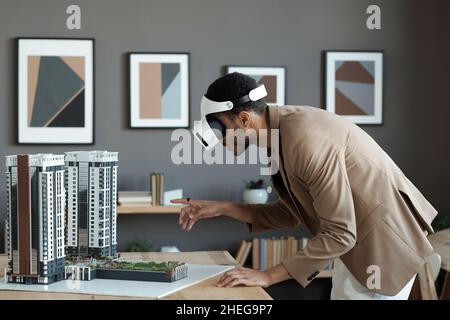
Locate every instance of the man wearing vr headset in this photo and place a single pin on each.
(333, 178)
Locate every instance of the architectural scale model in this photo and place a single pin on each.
(91, 183)
(35, 218)
(119, 269)
(42, 190)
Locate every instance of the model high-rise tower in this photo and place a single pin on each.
(35, 218)
(91, 183)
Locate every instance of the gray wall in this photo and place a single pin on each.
(259, 32)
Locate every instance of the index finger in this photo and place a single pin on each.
(189, 201)
(181, 200)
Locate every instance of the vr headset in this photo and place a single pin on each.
(210, 130)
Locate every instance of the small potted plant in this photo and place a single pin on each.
(255, 192)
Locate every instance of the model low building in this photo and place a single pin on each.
(114, 269)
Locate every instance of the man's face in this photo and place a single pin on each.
(238, 139)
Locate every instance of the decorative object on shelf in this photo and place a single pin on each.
(159, 90)
(171, 195)
(55, 91)
(255, 192)
(140, 245)
(170, 249)
(273, 78)
(354, 85)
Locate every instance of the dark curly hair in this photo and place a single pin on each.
(234, 86)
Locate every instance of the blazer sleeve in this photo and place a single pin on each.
(272, 215)
(322, 168)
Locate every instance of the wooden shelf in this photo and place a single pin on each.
(147, 209)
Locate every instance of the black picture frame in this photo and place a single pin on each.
(17, 95)
(379, 119)
(129, 90)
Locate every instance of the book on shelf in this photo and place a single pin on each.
(161, 189)
(240, 251)
(130, 197)
(262, 254)
(255, 258)
(243, 252)
(153, 184)
(157, 185)
(268, 252)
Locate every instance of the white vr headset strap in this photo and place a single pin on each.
(258, 93)
(209, 106)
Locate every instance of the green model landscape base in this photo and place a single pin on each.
(107, 268)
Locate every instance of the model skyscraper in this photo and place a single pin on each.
(91, 183)
(35, 218)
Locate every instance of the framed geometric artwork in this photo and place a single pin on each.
(273, 78)
(159, 90)
(55, 91)
(354, 85)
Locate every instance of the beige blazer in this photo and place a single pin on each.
(359, 206)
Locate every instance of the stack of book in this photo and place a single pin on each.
(141, 198)
(134, 197)
(157, 183)
(272, 251)
(269, 252)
